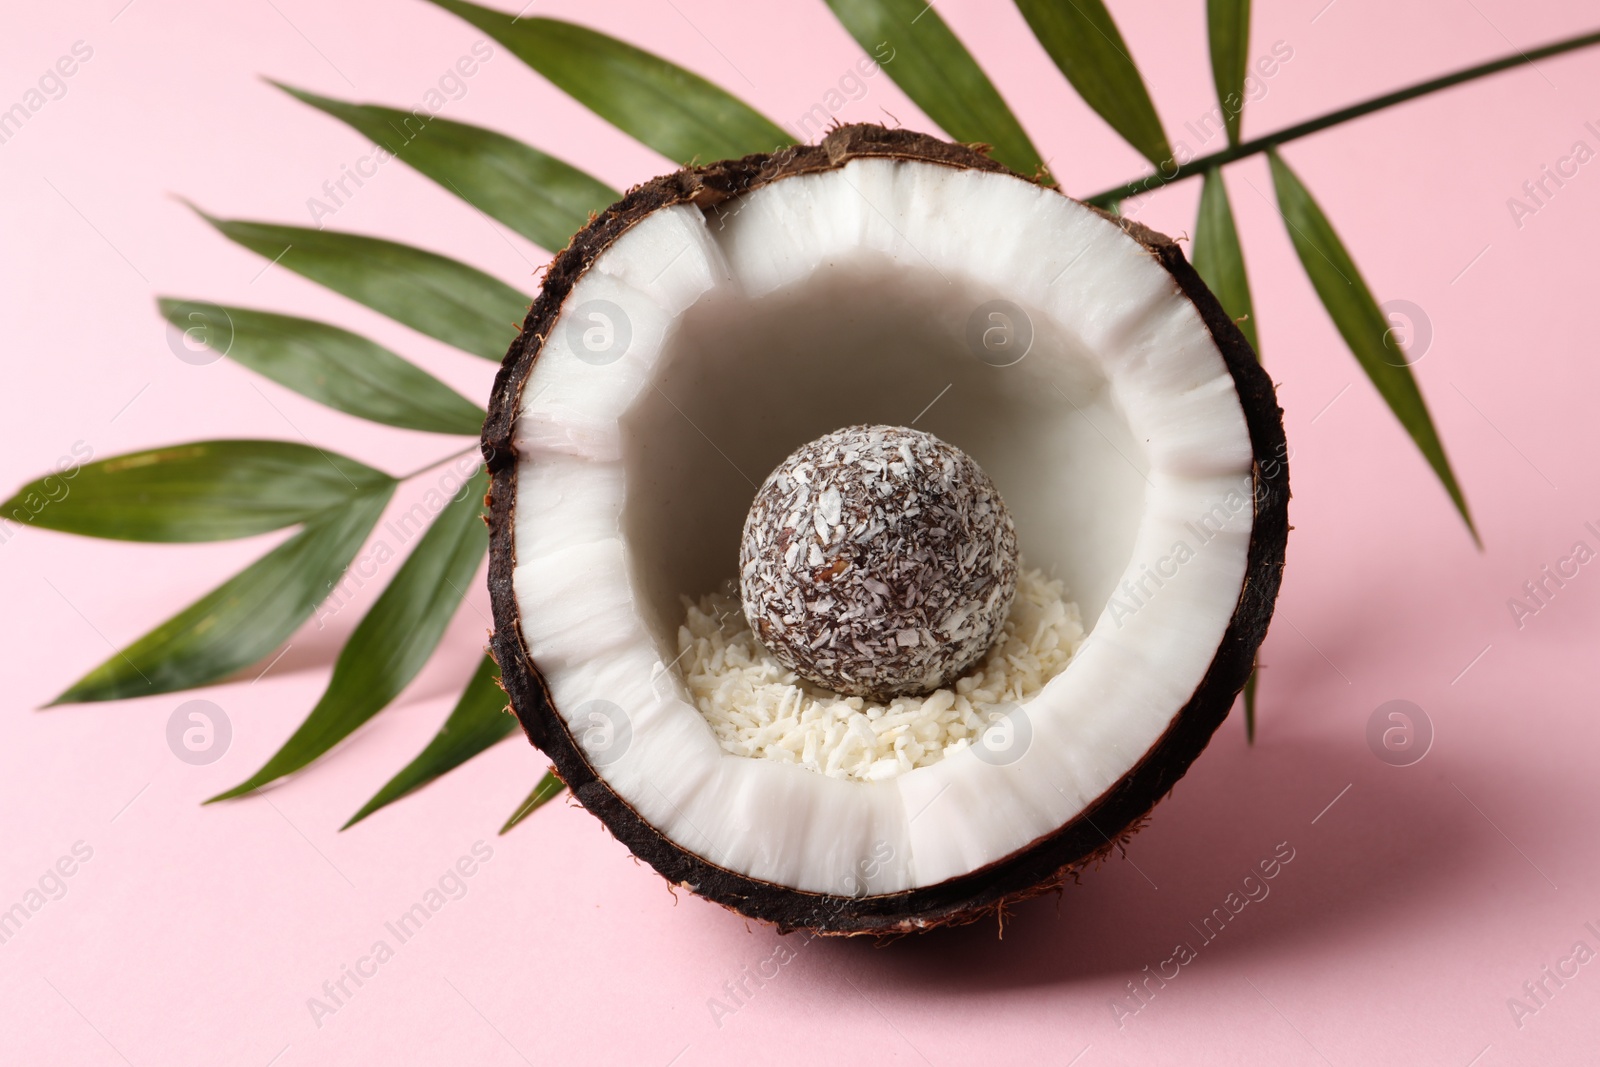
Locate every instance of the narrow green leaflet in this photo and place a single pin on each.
(241, 621)
(1359, 319)
(432, 294)
(548, 789)
(1219, 259)
(537, 195)
(1080, 36)
(1228, 26)
(480, 721)
(1220, 262)
(330, 365)
(679, 114)
(925, 59)
(203, 491)
(1250, 703)
(395, 638)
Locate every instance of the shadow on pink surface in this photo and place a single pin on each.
(1360, 852)
(1129, 917)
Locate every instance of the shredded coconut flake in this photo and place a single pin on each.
(757, 707)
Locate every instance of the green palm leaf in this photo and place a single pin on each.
(679, 114)
(548, 788)
(537, 195)
(394, 639)
(1250, 702)
(1082, 39)
(204, 491)
(1360, 321)
(332, 366)
(939, 75)
(244, 618)
(479, 721)
(1220, 260)
(1228, 27)
(432, 294)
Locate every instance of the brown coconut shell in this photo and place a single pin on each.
(1047, 862)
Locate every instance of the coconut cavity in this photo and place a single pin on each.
(704, 344)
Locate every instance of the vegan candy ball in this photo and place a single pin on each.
(878, 561)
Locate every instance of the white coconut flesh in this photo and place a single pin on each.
(819, 301)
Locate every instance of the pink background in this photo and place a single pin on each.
(1414, 907)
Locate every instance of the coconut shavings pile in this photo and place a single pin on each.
(758, 707)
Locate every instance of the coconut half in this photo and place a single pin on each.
(700, 329)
